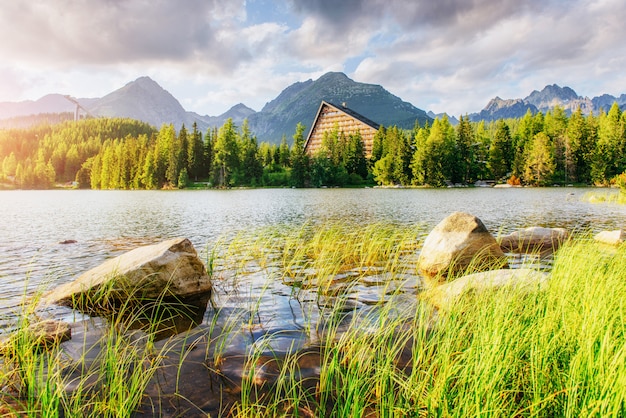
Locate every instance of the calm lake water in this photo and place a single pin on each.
(107, 223)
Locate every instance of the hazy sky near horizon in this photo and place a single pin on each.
(443, 55)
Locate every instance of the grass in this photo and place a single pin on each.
(46, 382)
(611, 196)
(559, 352)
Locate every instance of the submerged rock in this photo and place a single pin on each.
(50, 331)
(534, 239)
(611, 237)
(47, 333)
(150, 273)
(521, 279)
(458, 241)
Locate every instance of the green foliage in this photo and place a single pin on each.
(540, 166)
(499, 161)
(125, 154)
(393, 168)
(620, 181)
(466, 168)
(555, 350)
(435, 157)
(299, 159)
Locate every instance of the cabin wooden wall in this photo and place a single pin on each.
(326, 121)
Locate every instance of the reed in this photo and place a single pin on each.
(556, 352)
(559, 351)
(609, 196)
(47, 382)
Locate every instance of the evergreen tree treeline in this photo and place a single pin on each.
(537, 149)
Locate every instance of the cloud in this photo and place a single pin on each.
(472, 15)
(95, 32)
(13, 82)
(445, 55)
(453, 62)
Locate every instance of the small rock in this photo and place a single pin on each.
(50, 331)
(534, 239)
(525, 279)
(611, 237)
(458, 241)
(68, 241)
(47, 333)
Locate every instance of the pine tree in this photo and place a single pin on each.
(299, 158)
(499, 160)
(208, 153)
(540, 163)
(9, 165)
(183, 150)
(195, 153)
(578, 149)
(354, 156)
(609, 158)
(377, 145)
(419, 157)
(226, 157)
(283, 153)
(466, 160)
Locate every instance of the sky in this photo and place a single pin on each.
(441, 55)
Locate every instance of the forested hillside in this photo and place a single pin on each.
(48, 154)
(540, 149)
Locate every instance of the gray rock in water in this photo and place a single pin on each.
(534, 239)
(611, 237)
(458, 241)
(47, 333)
(521, 279)
(168, 269)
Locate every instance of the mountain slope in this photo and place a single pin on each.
(300, 102)
(50, 103)
(237, 113)
(545, 100)
(498, 108)
(145, 100)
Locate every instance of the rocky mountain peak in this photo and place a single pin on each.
(550, 96)
(300, 102)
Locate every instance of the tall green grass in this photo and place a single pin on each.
(45, 381)
(556, 352)
(610, 196)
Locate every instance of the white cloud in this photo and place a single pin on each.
(448, 55)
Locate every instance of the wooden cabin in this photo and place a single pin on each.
(349, 122)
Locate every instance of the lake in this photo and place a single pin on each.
(107, 223)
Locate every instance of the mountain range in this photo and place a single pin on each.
(144, 99)
(544, 100)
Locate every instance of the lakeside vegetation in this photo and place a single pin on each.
(558, 352)
(538, 150)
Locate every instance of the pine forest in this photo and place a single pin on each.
(541, 149)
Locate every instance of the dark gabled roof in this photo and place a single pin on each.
(355, 115)
(345, 110)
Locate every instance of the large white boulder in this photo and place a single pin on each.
(458, 241)
(168, 269)
(445, 295)
(535, 238)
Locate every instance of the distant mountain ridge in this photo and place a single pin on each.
(545, 100)
(144, 99)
